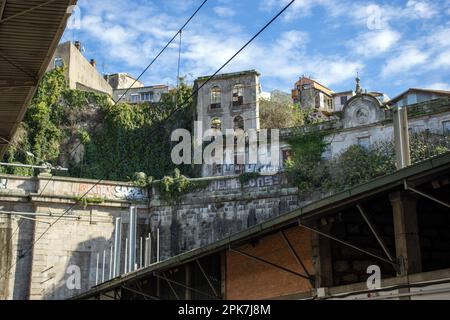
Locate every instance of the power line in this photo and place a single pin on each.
(179, 32)
(229, 60)
(171, 114)
(163, 49)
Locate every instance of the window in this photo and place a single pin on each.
(59, 63)
(344, 100)
(216, 98)
(364, 142)
(147, 96)
(135, 98)
(446, 127)
(238, 123)
(238, 95)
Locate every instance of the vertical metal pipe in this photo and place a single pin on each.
(126, 255)
(132, 239)
(140, 254)
(103, 265)
(96, 269)
(117, 246)
(110, 262)
(157, 245)
(146, 253)
(149, 249)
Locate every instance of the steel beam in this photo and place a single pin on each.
(184, 286)
(207, 278)
(348, 245)
(425, 195)
(375, 233)
(25, 11)
(140, 293)
(296, 256)
(270, 263)
(170, 286)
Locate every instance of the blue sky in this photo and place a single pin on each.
(394, 45)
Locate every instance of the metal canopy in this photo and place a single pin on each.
(29, 34)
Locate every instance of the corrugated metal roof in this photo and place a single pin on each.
(29, 34)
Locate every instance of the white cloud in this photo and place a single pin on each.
(439, 86)
(375, 43)
(421, 9)
(404, 61)
(224, 12)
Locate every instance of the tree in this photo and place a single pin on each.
(278, 114)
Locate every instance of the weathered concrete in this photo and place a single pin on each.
(41, 271)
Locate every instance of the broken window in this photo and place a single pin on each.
(238, 123)
(364, 142)
(446, 127)
(238, 95)
(216, 97)
(59, 63)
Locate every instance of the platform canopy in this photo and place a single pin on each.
(30, 31)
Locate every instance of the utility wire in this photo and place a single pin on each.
(179, 32)
(163, 49)
(229, 60)
(187, 101)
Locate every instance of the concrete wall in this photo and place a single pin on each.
(223, 208)
(75, 240)
(123, 81)
(81, 75)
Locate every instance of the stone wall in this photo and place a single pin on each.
(42, 209)
(221, 210)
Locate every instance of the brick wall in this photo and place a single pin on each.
(249, 279)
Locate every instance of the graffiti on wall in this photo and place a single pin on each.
(260, 182)
(129, 193)
(118, 192)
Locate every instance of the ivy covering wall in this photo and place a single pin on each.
(356, 165)
(95, 138)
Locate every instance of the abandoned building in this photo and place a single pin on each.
(82, 74)
(229, 238)
(228, 101)
(143, 94)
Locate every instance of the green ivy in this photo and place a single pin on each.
(86, 201)
(355, 165)
(115, 141)
(171, 188)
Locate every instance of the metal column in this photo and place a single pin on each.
(117, 245)
(132, 240)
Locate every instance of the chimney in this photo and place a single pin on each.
(78, 45)
(94, 63)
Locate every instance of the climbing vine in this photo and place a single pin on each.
(355, 165)
(172, 187)
(96, 139)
